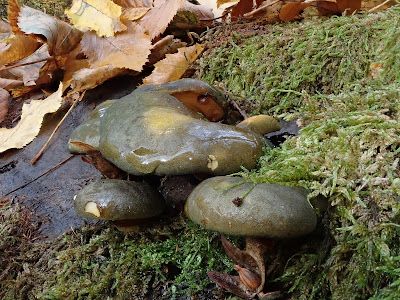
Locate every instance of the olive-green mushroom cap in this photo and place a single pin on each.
(112, 199)
(89, 131)
(150, 132)
(268, 210)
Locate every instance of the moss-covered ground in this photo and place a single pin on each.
(340, 78)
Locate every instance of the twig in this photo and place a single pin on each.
(242, 112)
(35, 159)
(48, 171)
(379, 6)
(26, 64)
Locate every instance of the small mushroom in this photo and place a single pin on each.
(230, 205)
(115, 200)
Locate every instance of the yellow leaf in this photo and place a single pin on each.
(19, 46)
(157, 19)
(31, 121)
(102, 16)
(173, 66)
(129, 49)
(134, 13)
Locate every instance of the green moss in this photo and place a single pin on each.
(163, 262)
(319, 56)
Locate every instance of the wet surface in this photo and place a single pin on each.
(51, 196)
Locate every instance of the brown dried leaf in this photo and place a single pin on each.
(327, 8)
(102, 16)
(133, 13)
(86, 79)
(4, 98)
(349, 6)
(230, 283)
(61, 37)
(95, 158)
(31, 121)
(222, 2)
(134, 3)
(20, 46)
(166, 45)
(249, 279)
(174, 65)
(243, 7)
(158, 18)
(13, 12)
(291, 11)
(240, 257)
(9, 84)
(30, 73)
(129, 49)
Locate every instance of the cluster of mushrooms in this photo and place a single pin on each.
(172, 129)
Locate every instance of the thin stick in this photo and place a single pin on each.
(48, 171)
(379, 6)
(35, 159)
(26, 64)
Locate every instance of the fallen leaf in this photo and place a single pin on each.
(4, 98)
(95, 158)
(13, 12)
(73, 64)
(243, 6)
(61, 37)
(222, 2)
(5, 27)
(200, 11)
(134, 3)
(86, 79)
(174, 65)
(327, 8)
(291, 11)
(230, 283)
(30, 73)
(349, 6)
(31, 121)
(134, 13)
(9, 84)
(129, 49)
(158, 18)
(19, 46)
(167, 45)
(102, 16)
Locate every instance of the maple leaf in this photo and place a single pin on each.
(19, 46)
(158, 18)
(4, 98)
(102, 16)
(31, 121)
(61, 37)
(128, 49)
(174, 65)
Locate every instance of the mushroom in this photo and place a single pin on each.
(119, 200)
(259, 212)
(150, 132)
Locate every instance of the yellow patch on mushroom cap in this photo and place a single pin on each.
(91, 208)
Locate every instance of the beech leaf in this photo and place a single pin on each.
(291, 11)
(102, 16)
(20, 46)
(31, 121)
(349, 5)
(61, 37)
(4, 98)
(158, 18)
(129, 49)
(173, 66)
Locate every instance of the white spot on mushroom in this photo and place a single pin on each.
(212, 162)
(91, 208)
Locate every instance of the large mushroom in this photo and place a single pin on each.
(230, 205)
